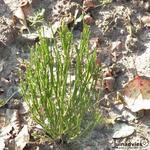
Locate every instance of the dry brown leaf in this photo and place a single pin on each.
(26, 8)
(19, 17)
(22, 138)
(136, 93)
(21, 14)
(122, 130)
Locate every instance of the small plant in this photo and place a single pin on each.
(59, 86)
(37, 19)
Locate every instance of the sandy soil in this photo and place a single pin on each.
(110, 26)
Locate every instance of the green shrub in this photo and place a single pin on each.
(59, 85)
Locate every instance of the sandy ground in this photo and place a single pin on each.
(133, 57)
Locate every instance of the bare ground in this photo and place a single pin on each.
(111, 24)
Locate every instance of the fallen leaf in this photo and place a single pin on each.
(136, 93)
(26, 8)
(123, 130)
(8, 128)
(6, 131)
(22, 138)
(146, 21)
(19, 17)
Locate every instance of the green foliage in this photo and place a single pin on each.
(59, 86)
(37, 19)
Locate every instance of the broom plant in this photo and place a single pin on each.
(59, 85)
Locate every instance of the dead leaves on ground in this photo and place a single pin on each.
(21, 14)
(22, 138)
(13, 133)
(72, 15)
(136, 93)
(26, 7)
